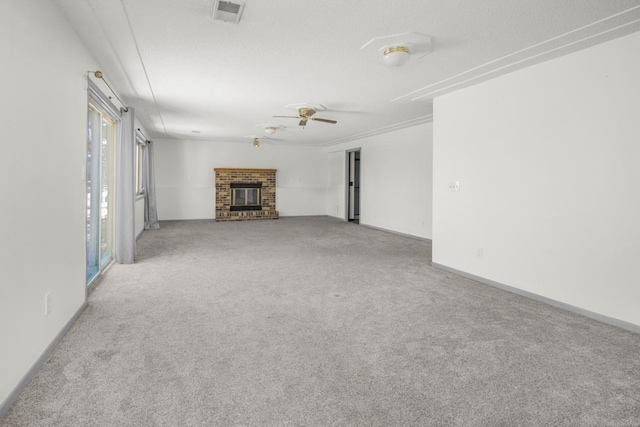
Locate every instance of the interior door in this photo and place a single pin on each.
(353, 185)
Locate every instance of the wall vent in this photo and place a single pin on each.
(227, 11)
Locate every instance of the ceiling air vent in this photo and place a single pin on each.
(227, 11)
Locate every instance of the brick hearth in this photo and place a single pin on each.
(226, 176)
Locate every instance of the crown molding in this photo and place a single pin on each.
(606, 29)
(382, 130)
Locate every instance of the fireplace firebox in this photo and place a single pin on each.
(246, 196)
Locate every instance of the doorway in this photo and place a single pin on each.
(353, 186)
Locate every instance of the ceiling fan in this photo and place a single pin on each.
(305, 113)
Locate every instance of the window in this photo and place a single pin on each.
(140, 147)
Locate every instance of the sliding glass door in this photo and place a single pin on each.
(101, 142)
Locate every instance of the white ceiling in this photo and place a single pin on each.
(183, 71)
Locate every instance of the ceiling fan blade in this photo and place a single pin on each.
(303, 122)
(318, 119)
(288, 117)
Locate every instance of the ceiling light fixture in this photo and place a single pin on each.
(269, 128)
(396, 55)
(256, 142)
(397, 49)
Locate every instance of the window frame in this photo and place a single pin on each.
(141, 145)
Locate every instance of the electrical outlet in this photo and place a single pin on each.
(47, 303)
(480, 253)
(454, 186)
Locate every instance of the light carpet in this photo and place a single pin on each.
(317, 322)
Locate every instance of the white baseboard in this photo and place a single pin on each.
(10, 400)
(396, 232)
(568, 307)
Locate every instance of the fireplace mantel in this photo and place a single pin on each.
(245, 170)
(248, 178)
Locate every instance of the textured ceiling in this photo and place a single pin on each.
(191, 77)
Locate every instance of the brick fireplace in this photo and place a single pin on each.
(245, 194)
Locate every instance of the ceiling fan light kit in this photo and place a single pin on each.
(269, 130)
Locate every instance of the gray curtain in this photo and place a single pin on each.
(150, 207)
(126, 190)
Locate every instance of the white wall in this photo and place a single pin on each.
(185, 179)
(43, 116)
(395, 180)
(547, 159)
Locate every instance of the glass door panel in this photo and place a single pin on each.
(107, 186)
(100, 188)
(93, 197)
(253, 196)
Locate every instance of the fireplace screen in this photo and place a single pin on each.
(246, 196)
